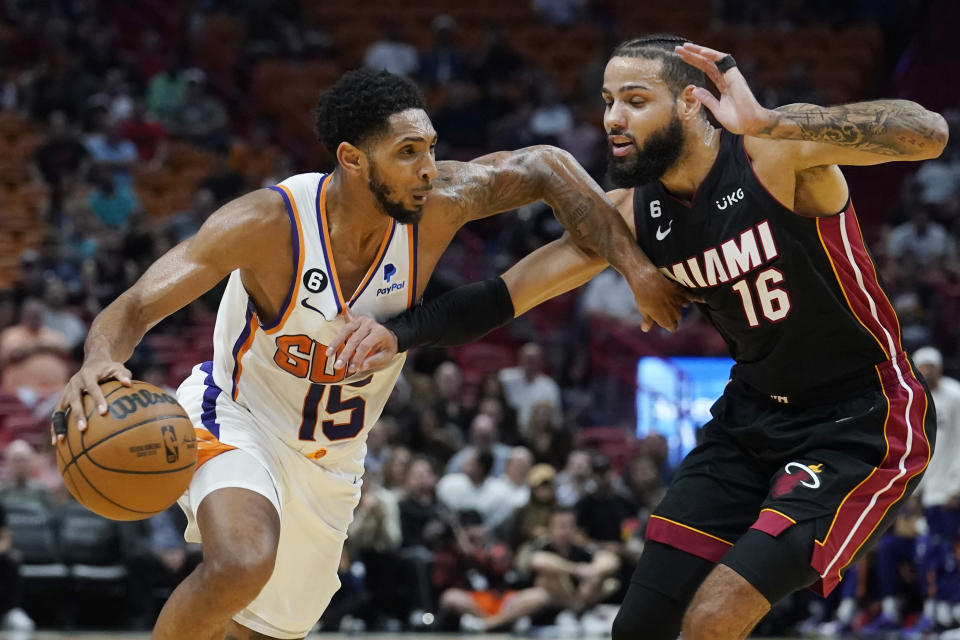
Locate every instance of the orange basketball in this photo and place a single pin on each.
(136, 460)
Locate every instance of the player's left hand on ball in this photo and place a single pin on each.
(737, 109)
(366, 345)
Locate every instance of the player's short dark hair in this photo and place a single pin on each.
(675, 73)
(356, 107)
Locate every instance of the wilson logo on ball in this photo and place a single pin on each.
(122, 407)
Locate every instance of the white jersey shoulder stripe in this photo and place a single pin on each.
(296, 240)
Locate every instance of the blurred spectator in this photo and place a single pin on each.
(392, 52)
(11, 87)
(449, 406)
(609, 296)
(20, 484)
(58, 317)
(167, 90)
(921, 240)
(255, 156)
(530, 521)
(585, 140)
(497, 410)
(144, 130)
(223, 181)
(372, 539)
(940, 495)
(602, 512)
(424, 523)
(114, 96)
(183, 224)
(422, 518)
(378, 445)
(152, 56)
(114, 202)
(163, 560)
(12, 617)
(484, 438)
(551, 117)
(642, 479)
(548, 439)
(491, 388)
(574, 577)
(472, 576)
(798, 87)
(515, 474)
(574, 481)
(475, 488)
(111, 153)
(395, 469)
(60, 158)
(494, 56)
(433, 438)
(202, 118)
(33, 357)
(577, 387)
(526, 385)
(937, 178)
(655, 445)
(443, 62)
(560, 12)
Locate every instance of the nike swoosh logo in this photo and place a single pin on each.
(311, 307)
(661, 234)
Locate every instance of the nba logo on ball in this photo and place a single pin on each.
(170, 442)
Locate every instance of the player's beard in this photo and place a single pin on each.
(648, 163)
(392, 208)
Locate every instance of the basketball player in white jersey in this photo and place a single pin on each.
(281, 431)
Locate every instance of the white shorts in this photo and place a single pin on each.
(315, 506)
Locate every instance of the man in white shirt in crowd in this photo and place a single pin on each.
(484, 436)
(940, 495)
(475, 488)
(527, 386)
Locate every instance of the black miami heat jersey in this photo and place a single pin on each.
(797, 300)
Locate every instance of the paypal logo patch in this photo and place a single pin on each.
(388, 271)
(396, 286)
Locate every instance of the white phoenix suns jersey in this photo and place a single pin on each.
(279, 370)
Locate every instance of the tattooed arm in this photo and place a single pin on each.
(510, 179)
(860, 134)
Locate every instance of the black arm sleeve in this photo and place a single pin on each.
(456, 317)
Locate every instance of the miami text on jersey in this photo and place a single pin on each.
(728, 261)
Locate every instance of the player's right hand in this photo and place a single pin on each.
(659, 299)
(87, 380)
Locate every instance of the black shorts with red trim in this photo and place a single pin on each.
(844, 466)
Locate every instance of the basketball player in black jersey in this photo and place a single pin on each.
(825, 428)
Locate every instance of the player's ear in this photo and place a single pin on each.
(351, 158)
(688, 104)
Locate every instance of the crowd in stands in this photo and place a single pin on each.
(504, 481)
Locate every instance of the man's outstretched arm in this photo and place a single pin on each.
(510, 179)
(471, 311)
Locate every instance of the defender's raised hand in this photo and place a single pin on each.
(737, 110)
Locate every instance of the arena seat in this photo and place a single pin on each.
(32, 528)
(43, 575)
